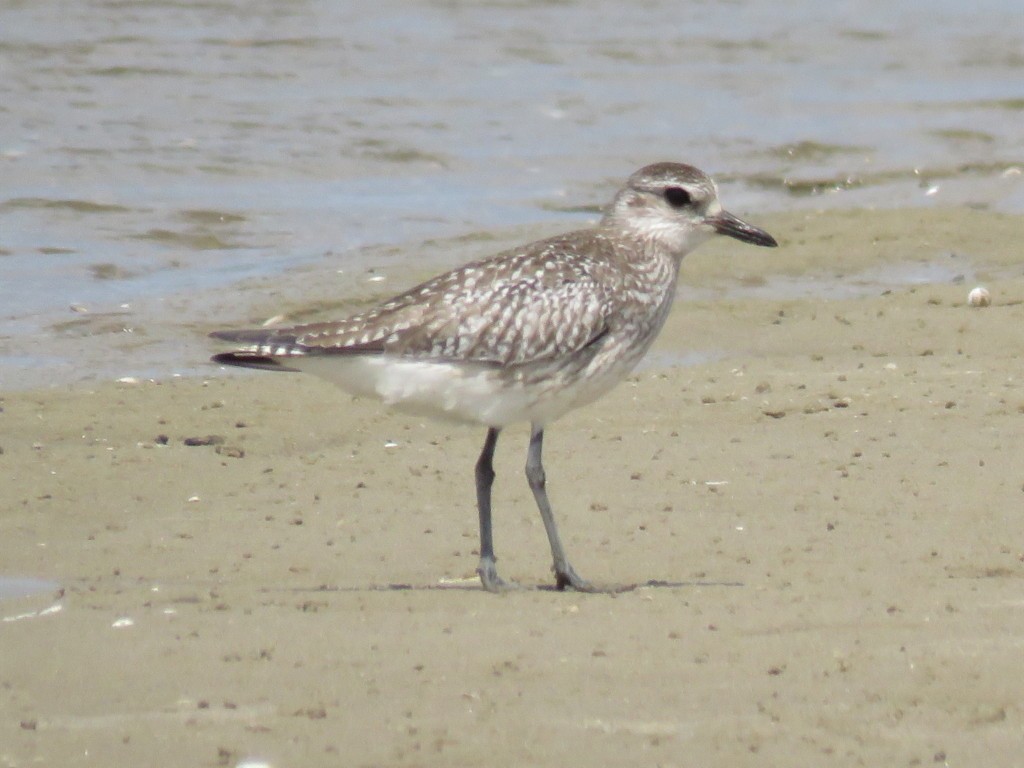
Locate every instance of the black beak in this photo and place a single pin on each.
(727, 224)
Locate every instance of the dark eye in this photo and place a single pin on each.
(677, 197)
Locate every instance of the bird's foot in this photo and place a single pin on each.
(490, 579)
(567, 578)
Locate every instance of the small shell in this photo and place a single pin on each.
(979, 297)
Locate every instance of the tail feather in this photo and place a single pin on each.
(256, 336)
(251, 360)
(262, 342)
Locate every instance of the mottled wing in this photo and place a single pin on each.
(518, 307)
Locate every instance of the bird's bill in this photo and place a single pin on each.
(724, 223)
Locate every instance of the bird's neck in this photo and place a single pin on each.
(651, 248)
(657, 240)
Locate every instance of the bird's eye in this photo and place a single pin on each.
(677, 197)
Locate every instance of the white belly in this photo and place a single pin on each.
(466, 392)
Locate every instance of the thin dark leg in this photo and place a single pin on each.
(565, 576)
(484, 480)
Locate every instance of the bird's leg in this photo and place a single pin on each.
(484, 479)
(565, 576)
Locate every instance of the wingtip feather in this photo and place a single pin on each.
(250, 360)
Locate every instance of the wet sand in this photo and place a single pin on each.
(834, 492)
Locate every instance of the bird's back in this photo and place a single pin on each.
(521, 306)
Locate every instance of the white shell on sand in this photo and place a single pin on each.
(979, 297)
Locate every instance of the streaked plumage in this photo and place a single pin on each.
(525, 335)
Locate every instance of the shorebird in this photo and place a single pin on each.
(523, 336)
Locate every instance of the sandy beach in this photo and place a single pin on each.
(821, 461)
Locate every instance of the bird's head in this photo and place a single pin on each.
(677, 206)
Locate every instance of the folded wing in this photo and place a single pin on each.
(513, 309)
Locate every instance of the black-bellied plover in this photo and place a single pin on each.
(525, 335)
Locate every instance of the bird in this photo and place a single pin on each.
(525, 335)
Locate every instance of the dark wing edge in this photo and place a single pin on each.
(261, 342)
(251, 360)
(268, 349)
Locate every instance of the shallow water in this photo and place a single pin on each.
(21, 586)
(154, 153)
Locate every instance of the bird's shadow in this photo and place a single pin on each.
(471, 586)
